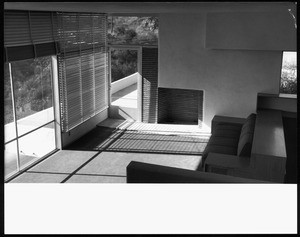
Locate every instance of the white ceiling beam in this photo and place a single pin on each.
(149, 7)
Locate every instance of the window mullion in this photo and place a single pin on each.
(15, 115)
(94, 77)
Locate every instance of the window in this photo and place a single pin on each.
(123, 63)
(288, 82)
(82, 67)
(29, 112)
(132, 30)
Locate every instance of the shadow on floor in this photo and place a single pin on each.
(122, 140)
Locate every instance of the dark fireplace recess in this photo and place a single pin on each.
(180, 106)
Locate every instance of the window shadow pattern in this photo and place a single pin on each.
(124, 140)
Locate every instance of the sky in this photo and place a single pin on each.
(290, 57)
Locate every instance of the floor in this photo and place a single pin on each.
(86, 162)
(96, 167)
(126, 97)
(145, 138)
(124, 104)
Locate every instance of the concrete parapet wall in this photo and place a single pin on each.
(123, 83)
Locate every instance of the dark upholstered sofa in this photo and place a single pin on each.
(230, 136)
(139, 172)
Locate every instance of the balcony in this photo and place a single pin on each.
(32, 145)
(124, 98)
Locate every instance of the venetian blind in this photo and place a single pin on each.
(82, 67)
(29, 34)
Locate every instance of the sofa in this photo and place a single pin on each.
(140, 172)
(232, 138)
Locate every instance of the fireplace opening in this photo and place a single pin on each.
(180, 106)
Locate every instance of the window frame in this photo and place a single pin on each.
(56, 123)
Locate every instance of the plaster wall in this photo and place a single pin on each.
(251, 30)
(230, 79)
(123, 83)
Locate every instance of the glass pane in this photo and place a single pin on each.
(33, 93)
(123, 63)
(9, 125)
(132, 30)
(288, 83)
(37, 144)
(10, 157)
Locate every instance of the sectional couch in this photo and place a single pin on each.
(230, 137)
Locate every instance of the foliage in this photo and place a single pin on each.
(32, 87)
(129, 30)
(288, 83)
(133, 30)
(123, 63)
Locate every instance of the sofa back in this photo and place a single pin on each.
(246, 136)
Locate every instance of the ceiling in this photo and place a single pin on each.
(140, 8)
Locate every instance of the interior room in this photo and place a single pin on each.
(209, 95)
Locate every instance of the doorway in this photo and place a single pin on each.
(125, 83)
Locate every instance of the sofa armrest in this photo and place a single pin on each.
(138, 172)
(217, 119)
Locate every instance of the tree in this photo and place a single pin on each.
(132, 30)
(123, 63)
(151, 23)
(130, 35)
(288, 83)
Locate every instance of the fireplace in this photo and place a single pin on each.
(180, 106)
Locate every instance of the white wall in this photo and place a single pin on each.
(231, 79)
(251, 30)
(123, 83)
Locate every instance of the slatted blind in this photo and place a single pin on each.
(29, 34)
(82, 67)
(150, 84)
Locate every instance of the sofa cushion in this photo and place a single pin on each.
(228, 150)
(224, 141)
(224, 132)
(236, 127)
(246, 136)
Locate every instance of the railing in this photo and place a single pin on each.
(124, 82)
(29, 124)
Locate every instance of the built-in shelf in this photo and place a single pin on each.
(282, 102)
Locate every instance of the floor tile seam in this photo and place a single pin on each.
(82, 174)
(85, 163)
(80, 167)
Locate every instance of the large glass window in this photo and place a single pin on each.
(288, 83)
(123, 63)
(33, 93)
(9, 128)
(132, 30)
(29, 112)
